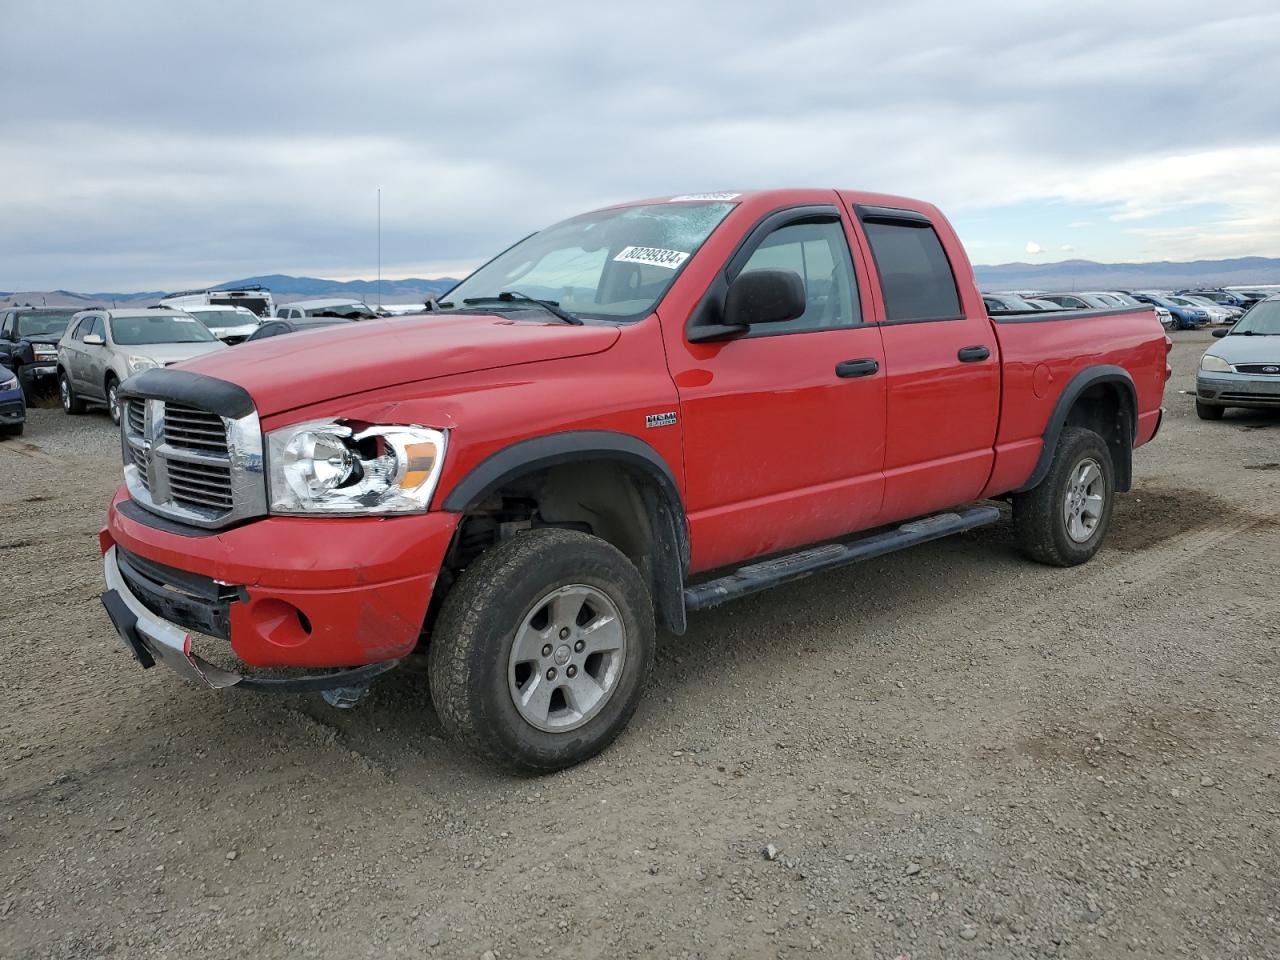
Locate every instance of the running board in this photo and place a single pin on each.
(794, 566)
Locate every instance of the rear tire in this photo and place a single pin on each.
(1064, 519)
(71, 404)
(512, 668)
(1209, 411)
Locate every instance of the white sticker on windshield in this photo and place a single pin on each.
(654, 256)
(705, 196)
(181, 320)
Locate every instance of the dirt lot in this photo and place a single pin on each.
(954, 752)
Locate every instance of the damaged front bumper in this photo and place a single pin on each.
(152, 639)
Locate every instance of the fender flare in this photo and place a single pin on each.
(1078, 384)
(664, 506)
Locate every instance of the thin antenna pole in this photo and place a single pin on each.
(379, 246)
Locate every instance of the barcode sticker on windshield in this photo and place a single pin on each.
(654, 256)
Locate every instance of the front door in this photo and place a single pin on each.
(784, 428)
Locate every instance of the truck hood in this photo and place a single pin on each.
(299, 369)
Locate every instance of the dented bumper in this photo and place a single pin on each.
(283, 591)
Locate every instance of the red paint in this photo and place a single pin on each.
(770, 451)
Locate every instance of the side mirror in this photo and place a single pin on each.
(1221, 332)
(764, 296)
(93, 340)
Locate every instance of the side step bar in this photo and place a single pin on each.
(794, 566)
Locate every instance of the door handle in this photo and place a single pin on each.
(857, 368)
(973, 354)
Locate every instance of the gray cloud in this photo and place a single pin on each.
(156, 144)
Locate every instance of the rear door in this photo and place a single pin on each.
(784, 428)
(942, 366)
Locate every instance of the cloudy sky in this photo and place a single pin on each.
(152, 145)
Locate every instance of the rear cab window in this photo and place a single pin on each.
(915, 274)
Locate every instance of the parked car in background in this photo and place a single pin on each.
(228, 324)
(1085, 301)
(1244, 369)
(13, 408)
(1164, 316)
(252, 296)
(103, 348)
(342, 309)
(1188, 318)
(29, 346)
(1252, 296)
(1041, 304)
(276, 328)
(1215, 313)
(1218, 312)
(732, 387)
(1008, 303)
(1223, 298)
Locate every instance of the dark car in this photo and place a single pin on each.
(1008, 303)
(29, 346)
(13, 409)
(276, 328)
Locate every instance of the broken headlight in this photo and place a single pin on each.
(336, 467)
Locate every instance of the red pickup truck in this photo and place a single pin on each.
(636, 413)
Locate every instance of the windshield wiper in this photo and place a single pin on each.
(515, 296)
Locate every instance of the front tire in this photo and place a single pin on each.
(541, 650)
(1064, 519)
(1209, 411)
(11, 430)
(71, 404)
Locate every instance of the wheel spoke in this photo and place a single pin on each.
(565, 607)
(603, 634)
(1089, 474)
(1093, 506)
(535, 698)
(529, 643)
(582, 692)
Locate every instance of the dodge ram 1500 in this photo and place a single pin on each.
(631, 415)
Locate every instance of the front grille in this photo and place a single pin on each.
(194, 429)
(1271, 369)
(1272, 398)
(190, 464)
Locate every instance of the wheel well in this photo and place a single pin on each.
(106, 381)
(618, 501)
(1107, 410)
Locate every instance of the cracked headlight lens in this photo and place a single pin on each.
(340, 468)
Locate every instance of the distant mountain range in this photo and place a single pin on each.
(1165, 275)
(1064, 275)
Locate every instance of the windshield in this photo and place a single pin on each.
(223, 318)
(159, 328)
(43, 324)
(257, 304)
(1264, 318)
(608, 264)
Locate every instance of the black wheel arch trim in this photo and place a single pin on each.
(1077, 385)
(665, 507)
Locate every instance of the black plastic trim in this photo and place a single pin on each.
(126, 625)
(1082, 381)
(551, 450)
(664, 507)
(132, 511)
(222, 397)
(869, 213)
(1049, 316)
(316, 682)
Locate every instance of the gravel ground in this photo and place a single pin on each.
(947, 752)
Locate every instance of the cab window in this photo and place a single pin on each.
(819, 254)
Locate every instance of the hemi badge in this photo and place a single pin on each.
(667, 419)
